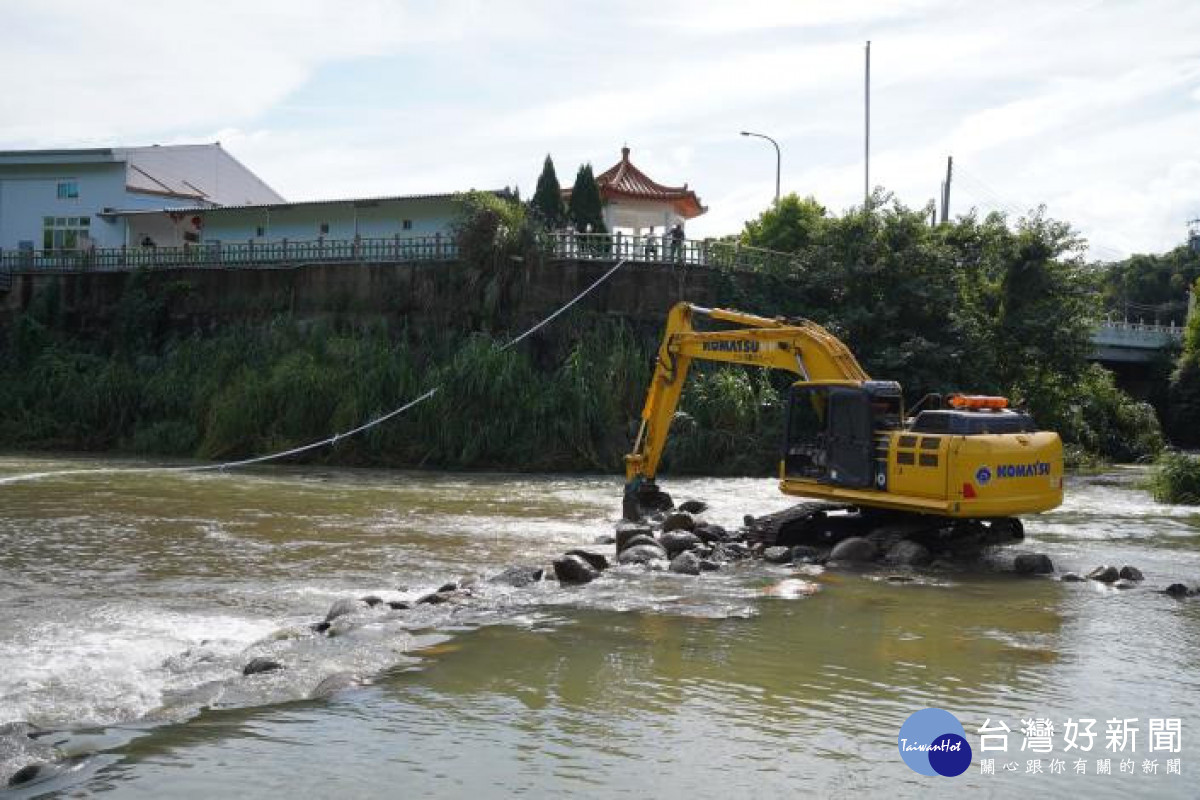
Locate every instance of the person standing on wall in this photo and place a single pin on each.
(677, 242)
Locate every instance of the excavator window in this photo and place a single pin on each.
(830, 434)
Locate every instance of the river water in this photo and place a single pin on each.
(131, 601)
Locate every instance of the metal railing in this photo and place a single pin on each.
(666, 250)
(284, 253)
(252, 254)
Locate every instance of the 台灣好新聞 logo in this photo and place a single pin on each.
(933, 742)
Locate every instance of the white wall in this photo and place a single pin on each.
(303, 222)
(28, 193)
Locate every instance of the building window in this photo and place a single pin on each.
(64, 233)
(406, 224)
(260, 231)
(324, 228)
(68, 190)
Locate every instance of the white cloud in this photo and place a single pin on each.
(1089, 107)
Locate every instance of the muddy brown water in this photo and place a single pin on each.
(131, 601)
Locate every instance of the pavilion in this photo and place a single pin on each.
(635, 202)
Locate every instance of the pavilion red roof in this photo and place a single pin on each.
(623, 179)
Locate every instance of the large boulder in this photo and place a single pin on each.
(597, 561)
(1033, 564)
(711, 533)
(907, 553)
(856, 549)
(686, 563)
(1129, 573)
(1105, 574)
(639, 540)
(518, 576)
(574, 570)
(678, 521)
(675, 542)
(1177, 590)
(628, 530)
(693, 506)
(642, 554)
(777, 555)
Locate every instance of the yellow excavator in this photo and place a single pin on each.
(849, 439)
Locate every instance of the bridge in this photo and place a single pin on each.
(1133, 342)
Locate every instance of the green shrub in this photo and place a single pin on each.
(1176, 479)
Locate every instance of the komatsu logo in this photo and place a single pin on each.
(1023, 470)
(738, 346)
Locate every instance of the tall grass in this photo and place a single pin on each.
(1175, 478)
(565, 403)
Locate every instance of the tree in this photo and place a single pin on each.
(1184, 421)
(788, 226)
(585, 208)
(547, 201)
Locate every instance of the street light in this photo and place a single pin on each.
(778, 158)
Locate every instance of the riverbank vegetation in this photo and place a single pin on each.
(1175, 478)
(981, 305)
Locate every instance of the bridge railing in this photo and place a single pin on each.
(1141, 327)
(398, 249)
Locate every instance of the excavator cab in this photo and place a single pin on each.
(834, 429)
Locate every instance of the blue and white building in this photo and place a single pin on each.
(67, 201)
(75, 199)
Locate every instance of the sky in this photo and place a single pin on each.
(1090, 108)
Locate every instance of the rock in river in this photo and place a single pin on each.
(261, 664)
(642, 554)
(598, 562)
(518, 576)
(693, 506)
(778, 555)
(1177, 590)
(1131, 573)
(628, 530)
(675, 542)
(1033, 564)
(639, 540)
(574, 570)
(907, 553)
(711, 533)
(1105, 574)
(686, 563)
(679, 521)
(854, 549)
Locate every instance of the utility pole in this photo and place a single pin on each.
(946, 189)
(867, 132)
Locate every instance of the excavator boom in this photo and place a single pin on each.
(798, 346)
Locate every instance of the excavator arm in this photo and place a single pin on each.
(798, 346)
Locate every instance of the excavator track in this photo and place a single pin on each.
(798, 523)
